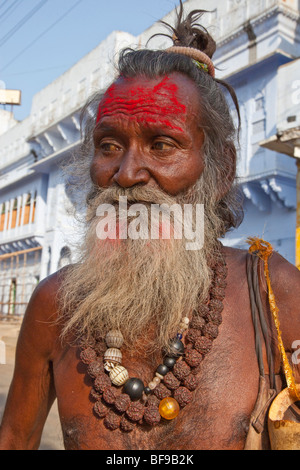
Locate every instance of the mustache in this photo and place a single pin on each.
(136, 194)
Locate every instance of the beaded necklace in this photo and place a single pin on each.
(175, 379)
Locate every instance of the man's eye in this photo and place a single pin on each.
(161, 145)
(108, 147)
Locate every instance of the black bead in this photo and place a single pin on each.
(176, 348)
(162, 369)
(147, 390)
(169, 362)
(134, 388)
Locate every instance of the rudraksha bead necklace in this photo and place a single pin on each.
(174, 380)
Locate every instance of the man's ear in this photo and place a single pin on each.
(229, 172)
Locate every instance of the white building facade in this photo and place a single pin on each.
(255, 38)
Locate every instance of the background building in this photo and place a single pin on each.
(256, 39)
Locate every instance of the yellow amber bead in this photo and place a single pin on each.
(169, 408)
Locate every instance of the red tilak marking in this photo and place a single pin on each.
(147, 105)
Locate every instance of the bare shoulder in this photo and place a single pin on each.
(40, 326)
(284, 276)
(43, 301)
(285, 282)
(236, 260)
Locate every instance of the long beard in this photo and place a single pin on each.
(136, 286)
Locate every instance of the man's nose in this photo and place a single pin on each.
(131, 171)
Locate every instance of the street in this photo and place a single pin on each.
(52, 436)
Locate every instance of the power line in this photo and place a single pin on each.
(15, 5)
(41, 35)
(3, 4)
(9, 8)
(12, 8)
(21, 23)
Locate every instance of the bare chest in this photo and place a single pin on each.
(216, 418)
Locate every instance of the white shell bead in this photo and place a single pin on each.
(108, 365)
(119, 375)
(152, 385)
(113, 355)
(156, 380)
(114, 339)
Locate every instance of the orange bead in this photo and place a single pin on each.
(169, 408)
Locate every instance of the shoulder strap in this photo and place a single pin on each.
(257, 436)
(261, 327)
(264, 250)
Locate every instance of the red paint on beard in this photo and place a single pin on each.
(145, 104)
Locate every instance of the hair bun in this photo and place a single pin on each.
(188, 33)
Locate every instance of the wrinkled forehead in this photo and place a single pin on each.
(143, 99)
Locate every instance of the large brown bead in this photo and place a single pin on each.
(122, 402)
(109, 395)
(154, 401)
(203, 345)
(183, 396)
(211, 331)
(215, 317)
(88, 355)
(192, 335)
(102, 382)
(95, 395)
(100, 348)
(136, 411)
(216, 305)
(220, 281)
(95, 368)
(161, 392)
(221, 270)
(181, 370)
(203, 310)
(127, 425)
(112, 420)
(218, 293)
(197, 322)
(193, 357)
(100, 409)
(152, 416)
(170, 381)
(191, 382)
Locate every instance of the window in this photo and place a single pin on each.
(17, 212)
(12, 296)
(27, 209)
(14, 213)
(2, 216)
(33, 207)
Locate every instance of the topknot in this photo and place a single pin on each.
(188, 33)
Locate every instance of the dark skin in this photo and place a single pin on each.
(129, 152)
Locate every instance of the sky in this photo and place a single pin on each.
(41, 39)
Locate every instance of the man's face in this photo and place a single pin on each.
(147, 133)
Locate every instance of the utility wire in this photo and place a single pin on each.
(21, 23)
(9, 8)
(41, 35)
(15, 5)
(3, 4)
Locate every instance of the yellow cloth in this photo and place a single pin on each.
(264, 250)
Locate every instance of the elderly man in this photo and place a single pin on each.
(147, 344)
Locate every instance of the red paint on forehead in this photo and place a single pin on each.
(146, 104)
